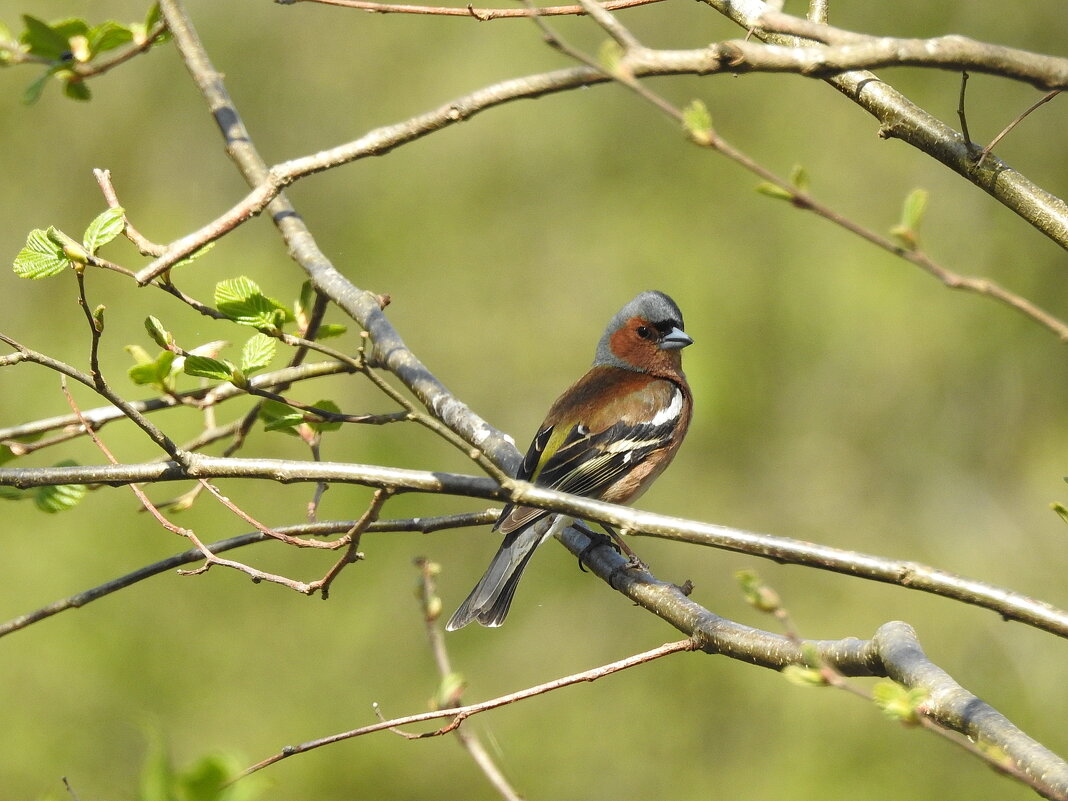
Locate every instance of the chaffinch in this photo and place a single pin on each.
(607, 437)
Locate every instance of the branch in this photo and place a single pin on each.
(388, 349)
(460, 714)
(431, 606)
(901, 119)
(1008, 604)
(709, 138)
(208, 396)
(847, 51)
(481, 14)
(424, 525)
(894, 652)
(155, 434)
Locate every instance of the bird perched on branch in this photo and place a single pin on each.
(607, 437)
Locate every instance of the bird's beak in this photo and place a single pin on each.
(675, 339)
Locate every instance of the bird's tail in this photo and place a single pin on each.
(489, 601)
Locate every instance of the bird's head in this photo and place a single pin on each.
(645, 335)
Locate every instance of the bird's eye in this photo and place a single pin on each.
(644, 331)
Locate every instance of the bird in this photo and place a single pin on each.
(608, 437)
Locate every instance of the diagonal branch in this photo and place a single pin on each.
(894, 652)
(899, 118)
(365, 307)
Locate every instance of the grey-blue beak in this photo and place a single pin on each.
(675, 339)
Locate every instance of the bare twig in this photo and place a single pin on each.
(994, 142)
(901, 119)
(481, 14)
(425, 525)
(893, 652)
(351, 539)
(203, 396)
(431, 604)
(189, 534)
(711, 139)
(142, 243)
(460, 714)
(961, 115)
(101, 388)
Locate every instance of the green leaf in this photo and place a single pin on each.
(804, 676)
(192, 257)
(43, 40)
(450, 690)
(1059, 508)
(140, 355)
(156, 372)
(8, 46)
(107, 36)
(204, 779)
(206, 367)
(758, 594)
(277, 416)
(258, 352)
(61, 497)
(160, 335)
(327, 425)
(328, 330)
(697, 122)
(157, 773)
(241, 300)
(107, 225)
(774, 190)
(799, 177)
(32, 93)
(69, 28)
(42, 257)
(72, 250)
(302, 307)
(154, 17)
(912, 211)
(98, 318)
(898, 702)
(915, 206)
(610, 55)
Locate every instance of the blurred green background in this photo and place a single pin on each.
(843, 397)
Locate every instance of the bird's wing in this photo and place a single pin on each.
(584, 462)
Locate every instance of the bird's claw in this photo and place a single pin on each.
(597, 539)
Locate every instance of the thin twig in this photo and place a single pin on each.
(101, 388)
(800, 198)
(834, 678)
(102, 65)
(460, 714)
(142, 243)
(993, 142)
(189, 534)
(431, 605)
(423, 525)
(351, 539)
(481, 14)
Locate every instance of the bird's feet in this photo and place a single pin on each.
(597, 539)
